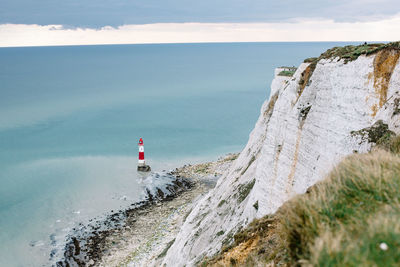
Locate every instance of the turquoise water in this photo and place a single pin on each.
(70, 118)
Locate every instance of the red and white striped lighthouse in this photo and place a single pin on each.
(141, 163)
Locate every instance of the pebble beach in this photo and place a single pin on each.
(141, 235)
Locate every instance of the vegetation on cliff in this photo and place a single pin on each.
(352, 52)
(288, 73)
(348, 219)
(385, 61)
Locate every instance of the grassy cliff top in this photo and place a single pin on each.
(288, 73)
(352, 52)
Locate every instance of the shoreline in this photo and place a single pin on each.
(142, 234)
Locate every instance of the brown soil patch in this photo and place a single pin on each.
(384, 63)
(271, 105)
(238, 254)
(257, 241)
(305, 78)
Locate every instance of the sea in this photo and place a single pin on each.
(71, 117)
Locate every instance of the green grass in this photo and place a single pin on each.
(310, 60)
(288, 73)
(352, 52)
(339, 250)
(334, 222)
(347, 219)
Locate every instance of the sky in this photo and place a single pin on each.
(61, 22)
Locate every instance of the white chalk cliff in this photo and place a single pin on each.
(302, 132)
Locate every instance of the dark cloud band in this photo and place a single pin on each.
(98, 13)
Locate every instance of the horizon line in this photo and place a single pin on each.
(194, 43)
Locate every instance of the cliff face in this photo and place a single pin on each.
(310, 122)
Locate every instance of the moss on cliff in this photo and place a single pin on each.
(375, 133)
(244, 190)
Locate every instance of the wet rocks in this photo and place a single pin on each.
(89, 243)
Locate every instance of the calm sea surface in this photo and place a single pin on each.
(70, 118)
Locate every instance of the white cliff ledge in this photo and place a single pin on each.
(307, 126)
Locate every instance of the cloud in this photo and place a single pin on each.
(98, 13)
(296, 30)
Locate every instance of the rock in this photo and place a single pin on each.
(304, 129)
(90, 243)
(145, 168)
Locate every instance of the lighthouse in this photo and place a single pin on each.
(142, 167)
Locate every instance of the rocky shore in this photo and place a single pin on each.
(142, 234)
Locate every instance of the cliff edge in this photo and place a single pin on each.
(335, 105)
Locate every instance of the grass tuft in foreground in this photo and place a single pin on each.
(349, 219)
(336, 223)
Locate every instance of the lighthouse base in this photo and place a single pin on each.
(143, 168)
